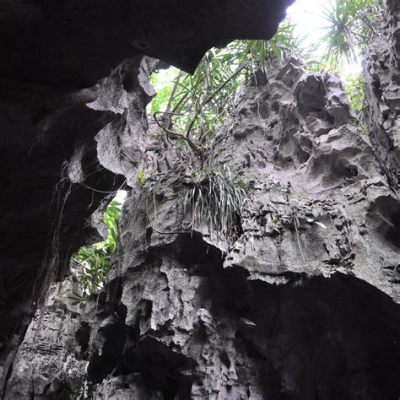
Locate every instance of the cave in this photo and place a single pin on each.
(277, 279)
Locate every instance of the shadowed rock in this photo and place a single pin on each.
(75, 43)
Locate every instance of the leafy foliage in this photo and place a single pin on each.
(210, 195)
(189, 108)
(140, 177)
(162, 83)
(215, 198)
(350, 27)
(354, 87)
(193, 106)
(198, 103)
(94, 261)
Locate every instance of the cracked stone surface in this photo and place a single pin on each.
(64, 181)
(48, 363)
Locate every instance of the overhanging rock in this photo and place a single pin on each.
(75, 42)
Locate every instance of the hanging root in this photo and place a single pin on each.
(52, 261)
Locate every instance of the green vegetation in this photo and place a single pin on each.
(215, 198)
(354, 87)
(140, 177)
(192, 106)
(94, 261)
(208, 195)
(350, 27)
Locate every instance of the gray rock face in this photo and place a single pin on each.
(302, 304)
(320, 203)
(77, 43)
(291, 308)
(49, 362)
(381, 70)
(53, 151)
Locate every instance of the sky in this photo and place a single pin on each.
(307, 16)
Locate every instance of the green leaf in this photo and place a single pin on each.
(94, 260)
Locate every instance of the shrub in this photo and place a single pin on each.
(94, 261)
(215, 198)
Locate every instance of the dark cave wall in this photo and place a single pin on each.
(53, 182)
(75, 44)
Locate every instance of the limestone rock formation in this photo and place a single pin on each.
(381, 70)
(299, 306)
(53, 182)
(55, 97)
(299, 301)
(292, 308)
(48, 363)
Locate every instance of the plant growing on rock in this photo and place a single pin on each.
(190, 115)
(210, 195)
(141, 177)
(355, 90)
(354, 87)
(197, 104)
(350, 27)
(93, 262)
(190, 109)
(214, 197)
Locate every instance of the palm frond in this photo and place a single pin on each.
(348, 29)
(198, 104)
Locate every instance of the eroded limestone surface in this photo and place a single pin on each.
(381, 70)
(303, 304)
(55, 97)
